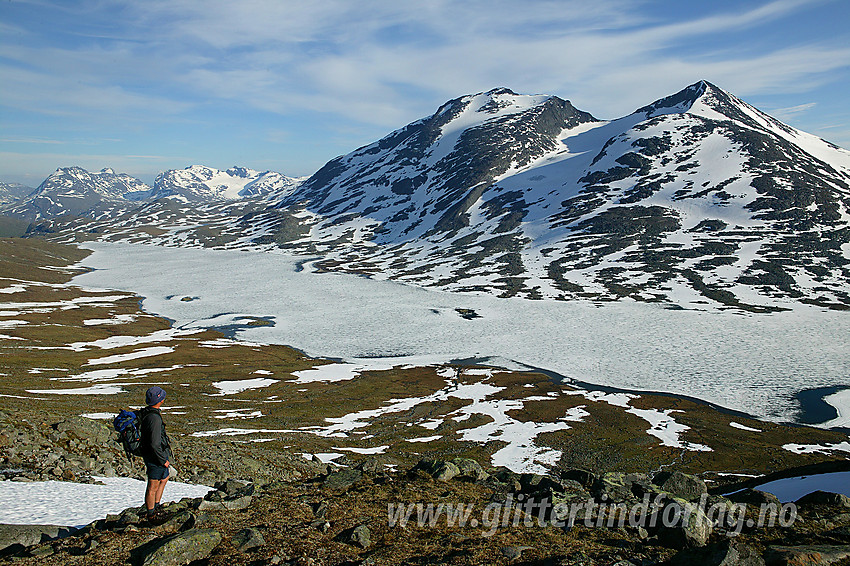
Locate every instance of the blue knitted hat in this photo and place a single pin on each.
(154, 395)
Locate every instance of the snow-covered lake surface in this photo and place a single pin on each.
(750, 362)
(77, 504)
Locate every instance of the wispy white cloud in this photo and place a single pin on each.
(54, 93)
(728, 21)
(380, 64)
(32, 140)
(791, 111)
(362, 60)
(341, 57)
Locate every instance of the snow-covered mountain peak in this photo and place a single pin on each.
(716, 103)
(706, 100)
(199, 183)
(475, 109)
(13, 192)
(74, 181)
(680, 102)
(73, 190)
(437, 167)
(106, 194)
(709, 102)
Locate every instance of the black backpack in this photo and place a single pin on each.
(127, 426)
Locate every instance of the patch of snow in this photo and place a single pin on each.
(666, 429)
(240, 385)
(324, 457)
(335, 372)
(425, 438)
(662, 425)
(78, 504)
(143, 353)
(576, 414)
(13, 289)
(112, 389)
(238, 432)
(7, 337)
(821, 448)
(733, 424)
(237, 414)
(117, 319)
(99, 416)
(375, 450)
(116, 373)
(22, 397)
(122, 341)
(431, 424)
(615, 399)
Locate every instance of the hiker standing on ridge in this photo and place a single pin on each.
(155, 447)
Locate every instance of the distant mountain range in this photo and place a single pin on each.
(77, 192)
(203, 184)
(697, 200)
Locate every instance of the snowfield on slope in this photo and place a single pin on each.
(754, 363)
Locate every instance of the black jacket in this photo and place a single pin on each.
(156, 448)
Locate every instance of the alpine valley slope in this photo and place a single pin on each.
(12, 192)
(698, 200)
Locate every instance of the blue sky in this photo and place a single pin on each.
(276, 84)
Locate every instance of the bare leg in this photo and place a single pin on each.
(150, 493)
(159, 489)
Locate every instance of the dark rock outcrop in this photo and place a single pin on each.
(181, 549)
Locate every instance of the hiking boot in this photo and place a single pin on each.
(151, 516)
(157, 517)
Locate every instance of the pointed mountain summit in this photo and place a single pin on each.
(423, 178)
(677, 103)
(709, 101)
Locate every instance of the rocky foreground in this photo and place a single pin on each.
(294, 511)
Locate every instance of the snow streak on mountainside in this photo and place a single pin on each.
(698, 200)
(12, 192)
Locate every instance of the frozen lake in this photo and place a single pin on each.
(754, 363)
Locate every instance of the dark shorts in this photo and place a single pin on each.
(155, 471)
